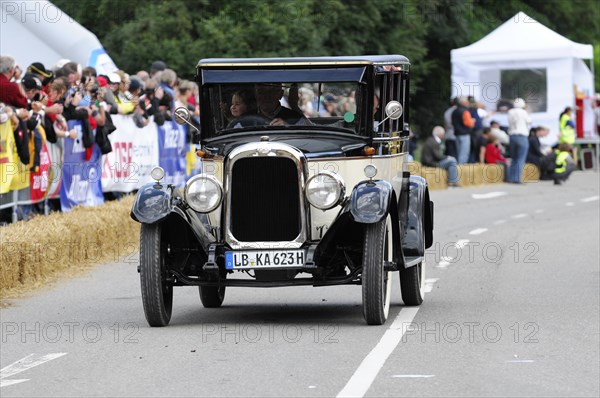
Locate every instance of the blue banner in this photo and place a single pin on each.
(172, 149)
(81, 179)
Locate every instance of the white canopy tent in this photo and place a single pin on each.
(41, 32)
(524, 58)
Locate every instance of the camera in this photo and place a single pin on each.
(94, 91)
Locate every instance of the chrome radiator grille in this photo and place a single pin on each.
(265, 200)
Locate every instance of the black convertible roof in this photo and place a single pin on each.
(306, 61)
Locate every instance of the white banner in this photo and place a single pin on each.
(134, 154)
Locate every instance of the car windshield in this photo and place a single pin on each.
(238, 107)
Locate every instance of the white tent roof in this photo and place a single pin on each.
(44, 33)
(522, 38)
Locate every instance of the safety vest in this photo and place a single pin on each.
(562, 159)
(567, 132)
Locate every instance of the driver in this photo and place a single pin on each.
(267, 97)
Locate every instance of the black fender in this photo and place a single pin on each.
(370, 201)
(418, 232)
(160, 203)
(153, 202)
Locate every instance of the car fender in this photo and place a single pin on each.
(370, 201)
(418, 233)
(153, 202)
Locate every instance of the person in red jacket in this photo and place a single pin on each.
(10, 93)
(492, 152)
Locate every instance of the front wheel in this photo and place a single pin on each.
(376, 282)
(157, 292)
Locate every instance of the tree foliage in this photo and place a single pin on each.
(180, 32)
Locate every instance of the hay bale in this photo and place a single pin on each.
(38, 250)
(531, 173)
(437, 178)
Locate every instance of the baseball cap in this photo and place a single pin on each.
(114, 78)
(31, 82)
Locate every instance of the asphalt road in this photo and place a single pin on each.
(512, 310)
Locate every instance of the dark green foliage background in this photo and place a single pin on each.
(180, 32)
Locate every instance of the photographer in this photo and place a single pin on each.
(32, 87)
(56, 93)
(10, 93)
(150, 102)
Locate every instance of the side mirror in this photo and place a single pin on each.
(393, 110)
(182, 116)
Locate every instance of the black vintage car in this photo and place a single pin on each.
(304, 182)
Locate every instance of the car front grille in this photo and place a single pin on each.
(265, 200)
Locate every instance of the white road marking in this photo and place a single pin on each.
(312, 386)
(30, 361)
(6, 383)
(429, 285)
(367, 371)
(569, 204)
(517, 216)
(478, 231)
(413, 376)
(498, 222)
(489, 195)
(590, 199)
(539, 211)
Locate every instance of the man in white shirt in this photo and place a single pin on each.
(518, 130)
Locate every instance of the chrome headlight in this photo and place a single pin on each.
(157, 173)
(325, 190)
(203, 193)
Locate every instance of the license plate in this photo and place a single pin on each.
(264, 259)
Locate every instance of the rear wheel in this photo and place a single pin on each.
(157, 292)
(212, 296)
(376, 282)
(412, 284)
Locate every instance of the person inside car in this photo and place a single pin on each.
(267, 98)
(243, 103)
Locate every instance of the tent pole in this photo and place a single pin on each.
(593, 77)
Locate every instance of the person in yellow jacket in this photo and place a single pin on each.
(567, 130)
(567, 127)
(564, 164)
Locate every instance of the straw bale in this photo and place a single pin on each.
(45, 247)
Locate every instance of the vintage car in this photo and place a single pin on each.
(304, 182)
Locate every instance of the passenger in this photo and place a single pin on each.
(243, 103)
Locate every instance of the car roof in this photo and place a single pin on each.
(306, 61)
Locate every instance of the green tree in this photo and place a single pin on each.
(180, 32)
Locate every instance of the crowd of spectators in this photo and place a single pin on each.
(39, 101)
(472, 136)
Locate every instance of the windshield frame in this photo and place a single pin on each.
(211, 80)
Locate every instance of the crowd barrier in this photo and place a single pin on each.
(79, 178)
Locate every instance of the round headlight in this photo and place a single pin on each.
(157, 173)
(203, 193)
(325, 190)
